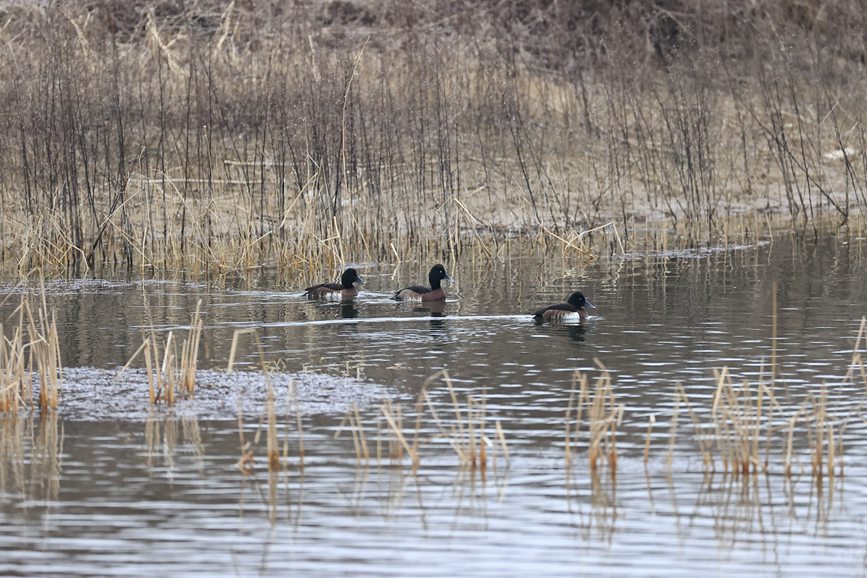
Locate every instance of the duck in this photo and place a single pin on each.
(343, 290)
(420, 293)
(575, 308)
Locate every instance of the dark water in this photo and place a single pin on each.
(109, 486)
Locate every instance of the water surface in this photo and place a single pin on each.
(110, 486)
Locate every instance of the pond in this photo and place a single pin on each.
(109, 485)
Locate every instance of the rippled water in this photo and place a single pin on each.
(108, 486)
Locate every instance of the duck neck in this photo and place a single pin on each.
(434, 283)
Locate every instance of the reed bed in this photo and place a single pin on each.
(475, 441)
(604, 415)
(218, 138)
(31, 354)
(746, 430)
(177, 372)
(276, 462)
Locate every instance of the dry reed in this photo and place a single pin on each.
(32, 352)
(175, 372)
(604, 415)
(138, 149)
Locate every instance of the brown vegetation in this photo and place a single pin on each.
(214, 136)
(30, 356)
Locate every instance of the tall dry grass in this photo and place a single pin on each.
(222, 137)
(30, 356)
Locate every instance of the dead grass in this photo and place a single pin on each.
(215, 138)
(32, 353)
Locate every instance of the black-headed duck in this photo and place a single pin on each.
(575, 308)
(343, 290)
(420, 293)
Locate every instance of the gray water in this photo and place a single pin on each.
(110, 486)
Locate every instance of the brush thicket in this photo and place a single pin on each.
(139, 148)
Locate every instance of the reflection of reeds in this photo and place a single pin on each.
(246, 462)
(650, 424)
(152, 437)
(161, 437)
(12, 428)
(273, 446)
(31, 452)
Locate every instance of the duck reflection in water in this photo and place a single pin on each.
(433, 309)
(575, 332)
(348, 310)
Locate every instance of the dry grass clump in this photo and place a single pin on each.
(604, 415)
(32, 351)
(176, 372)
(276, 462)
(466, 432)
(739, 422)
(744, 437)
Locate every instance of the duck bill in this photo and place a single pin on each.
(359, 280)
(588, 305)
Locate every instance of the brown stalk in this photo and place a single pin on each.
(396, 430)
(273, 446)
(650, 424)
